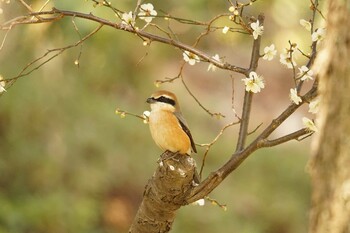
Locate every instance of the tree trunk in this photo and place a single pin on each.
(330, 163)
(165, 193)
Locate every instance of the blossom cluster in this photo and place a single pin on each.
(256, 28)
(313, 108)
(146, 13)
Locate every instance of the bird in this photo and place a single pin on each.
(168, 127)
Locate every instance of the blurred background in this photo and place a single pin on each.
(68, 163)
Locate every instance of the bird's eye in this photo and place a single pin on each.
(166, 100)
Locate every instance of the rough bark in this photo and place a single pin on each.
(330, 163)
(165, 193)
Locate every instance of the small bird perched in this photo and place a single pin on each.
(168, 127)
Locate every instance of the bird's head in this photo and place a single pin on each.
(163, 100)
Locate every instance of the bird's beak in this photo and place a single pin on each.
(150, 100)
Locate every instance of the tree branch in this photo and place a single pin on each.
(58, 51)
(256, 48)
(243, 129)
(248, 96)
(293, 136)
(164, 193)
(56, 14)
(215, 178)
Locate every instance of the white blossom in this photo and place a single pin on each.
(211, 66)
(147, 12)
(128, 19)
(145, 116)
(2, 85)
(287, 58)
(269, 52)
(225, 29)
(318, 35)
(257, 29)
(200, 202)
(254, 83)
(232, 9)
(190, 58)
(294, 96)
(305, 24)
(305, 73)
(314, 106)
(309, 124)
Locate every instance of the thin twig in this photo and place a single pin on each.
(207, 31)
(138, 4)
(291, 50)
(213, 114)
(4, 39)
(292, 136)
(209, 145)
(123, 113)
(315, 8)
(44, 5)
(29, 8)
(312, 57)
(58, 52)
(233, 98)
(81, 45)
(256, 129)
(109, 5)
(215, 202)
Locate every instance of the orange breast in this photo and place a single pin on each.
(167, 132)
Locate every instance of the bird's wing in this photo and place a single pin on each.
(184, 127)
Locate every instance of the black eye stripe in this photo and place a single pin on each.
(164, 99)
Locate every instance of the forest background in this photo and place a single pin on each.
(68, 163)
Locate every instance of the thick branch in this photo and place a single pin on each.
(164, 194)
